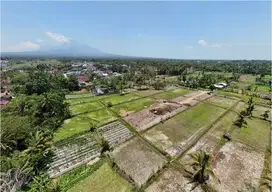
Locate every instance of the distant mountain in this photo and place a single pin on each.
(71, 49)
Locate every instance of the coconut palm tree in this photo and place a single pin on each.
(201, 165)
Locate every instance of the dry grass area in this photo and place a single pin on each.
(172, 180)
(237, 166)
(163, 110)
(138, 160)
(221, 101)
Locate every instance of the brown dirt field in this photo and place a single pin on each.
(137, 160)
(164, 110)
(172, 180)
(238, 166)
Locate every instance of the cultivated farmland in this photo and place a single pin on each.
(175, 134)
(162, 127)
(138, 160)
(104, 179)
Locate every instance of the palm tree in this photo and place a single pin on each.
(201, 165)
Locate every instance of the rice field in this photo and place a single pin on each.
(85, 107)
(103, 179)
(174, 134)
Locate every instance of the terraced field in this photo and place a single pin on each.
(152, 156)
(80, 150)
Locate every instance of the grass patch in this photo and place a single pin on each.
(69, 179)
(256, 134)
(71, 127)
(171, 94)
(259, 110)
(85, 100)
(85, 107)
(102, 116)
(134, 106)
(116, 99)
(104, 179)
(221, 101)
(249, 79)
(147, 92)
(243, 97)
(73, 96)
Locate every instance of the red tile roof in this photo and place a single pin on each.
(83, 78)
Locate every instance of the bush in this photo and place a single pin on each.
(109, 104)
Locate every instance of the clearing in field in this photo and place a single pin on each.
(72, 126)
(238, 166)
(163, 110)
(127, 108)
(85, 107)
(259, 110)
(116, 99)
(85, 99)
(138, 160)
(213, 140)
(256, 133)
(249, 79)
(100, 117)
(105, 179)
(171, 94)
(147, 92)
(172, 180)
(221, 101)
(174, 135)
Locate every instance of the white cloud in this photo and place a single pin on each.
(39, 40)
(188, 47)
(58, 37)
(202, 42)
(216, 45)
(23, 46)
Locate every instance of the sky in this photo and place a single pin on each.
(176, 29)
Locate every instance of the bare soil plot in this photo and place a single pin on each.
(115, 133)
(174, 135)
(127, 108)
(147, 92)
(259, 110)
(221, 101)
(172, 180)
(85, 107)
(138, 160)
(237, 166)
(162, 110)
(105, 179)
(256, 134)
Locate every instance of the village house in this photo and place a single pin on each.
(5, 98)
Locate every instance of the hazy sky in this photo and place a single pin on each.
(188, 30)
